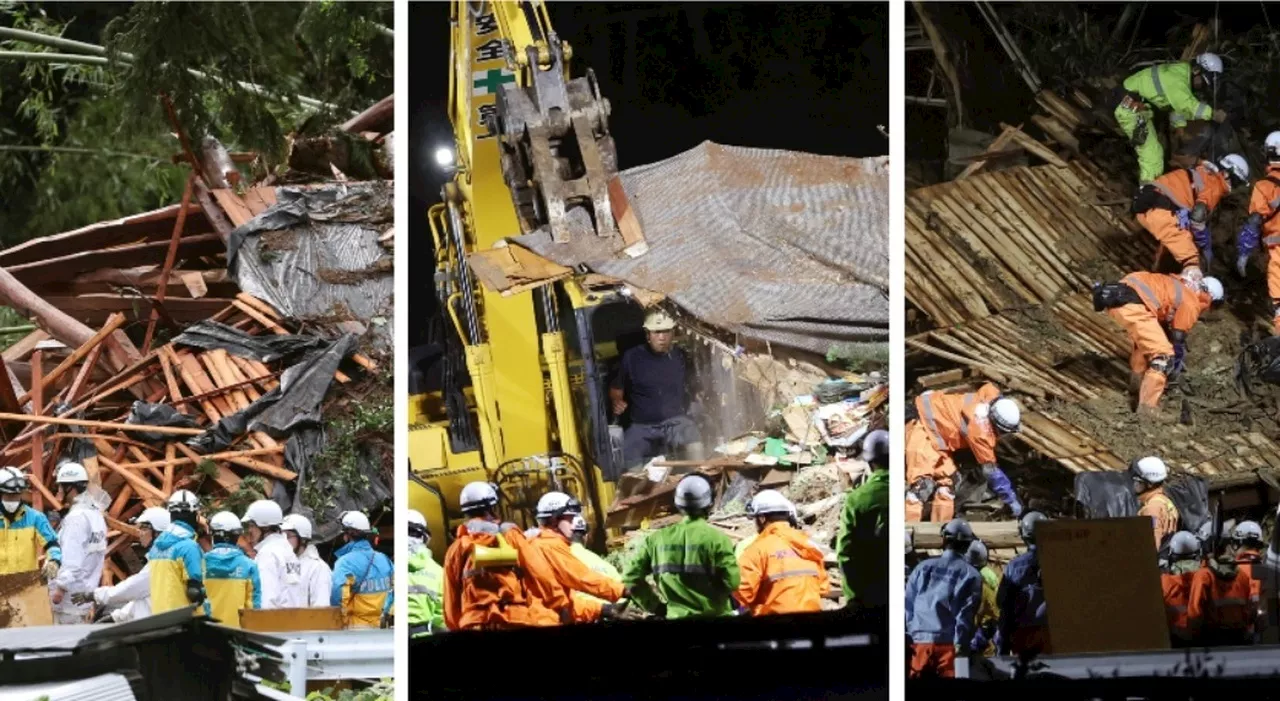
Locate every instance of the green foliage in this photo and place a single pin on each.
(859, 357)
(88, 143)
(348, 439)
(382, 691)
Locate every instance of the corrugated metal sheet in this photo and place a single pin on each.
(46, 637)
(108, 687)
(779, 246)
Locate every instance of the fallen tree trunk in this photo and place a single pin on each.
(70, 332)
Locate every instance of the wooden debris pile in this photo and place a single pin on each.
(81, 401)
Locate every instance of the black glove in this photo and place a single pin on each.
(195, 592)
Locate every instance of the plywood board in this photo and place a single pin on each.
(1102, 585)
(24, 601)
(282, 620)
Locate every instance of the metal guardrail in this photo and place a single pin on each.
(332, 655)
(1221, 662)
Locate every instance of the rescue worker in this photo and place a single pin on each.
(1221, 609)
(862, 543)
(1148, 475)
(362, 576)
(1175, 583)
(652, 386)
(426, 580)
(1263, 226)
(1157, 311)
(783, 570)
(1024, 619)
(944, 424)
(278, 566)
(83, 539)
(1247, 549)
(589, 558)
(555, 513)
(942, 601)
(988, 619)
(911, 558)
(1175, 208)
(175, 559)
(133, 595)
(493, 577)
(25, 534)
(1173, 86)
(315, 574)
(230, 578)
(691, 561)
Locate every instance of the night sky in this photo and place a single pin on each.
(802, 76)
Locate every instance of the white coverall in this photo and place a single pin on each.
(133, 596)
(317, 578)
(281, 573)
(83, 537)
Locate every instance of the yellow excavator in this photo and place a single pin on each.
(531, 412)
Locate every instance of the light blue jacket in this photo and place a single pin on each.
(176, 560)
(943, 596)
(362, 580)
(231, 583)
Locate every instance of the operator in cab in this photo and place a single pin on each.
(652, 387)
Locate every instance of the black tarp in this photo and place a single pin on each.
(149, 414)
(1106, 494)
(1191, 495)
(267, 348)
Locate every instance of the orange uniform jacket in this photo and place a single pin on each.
(1221, 605)
(1169, 298)
(955, 424)
(529, 595)
(1202, 185)
(1177, 597)
(1245, 560)
(1264, 201)
(782, 571)
(1162, 511)
(574, 575)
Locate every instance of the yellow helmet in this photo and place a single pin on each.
(658, 321)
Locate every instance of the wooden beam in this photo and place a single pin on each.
(67, 266)
(114, 322)
(147, 226)
(169, 257)
(109, 425)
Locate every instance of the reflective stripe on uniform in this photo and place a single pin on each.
(969, 399)
(1180, 608)
(793, 573)
(421, 589)
(1177, 296)
(1229, 601)
(1147, 294)
(1200, 110)
(1155, 80)
(684, 569)
(931, 421)
(1272, 240)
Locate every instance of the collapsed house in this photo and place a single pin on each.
(775, 264)
(242, 350)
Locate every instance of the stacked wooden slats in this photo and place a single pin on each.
(204, 384)
(1012, 238)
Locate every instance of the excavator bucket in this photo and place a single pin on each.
(557, 154)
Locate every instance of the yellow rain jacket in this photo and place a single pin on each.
(231, 583)
(176, 560)
(22, 540)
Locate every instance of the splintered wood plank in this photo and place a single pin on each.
(169, 454)
(211, 410)
(225, 478)
(253, 368)
(37, 438)
(233, 369)
(175, 393)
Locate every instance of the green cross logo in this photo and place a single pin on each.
(487, 82)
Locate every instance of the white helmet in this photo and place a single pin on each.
(225, 523)
(1006, 415)
(1272, 146)
(1213, 286)
(71, 472)
(693, 492)
(557, 504)
(1209, 63)
(658, 320)
(1184, 545)
(1247, 531)
(478, 495)
(355, 521)
(579, 524)
(298, 524)
(12, 481)
(156, 517)
(1237, 166)
(977, 554)
(184, 500)
(770, 501)
(1150, 469)
(263, 513)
